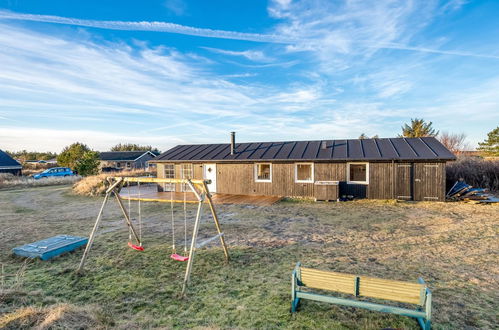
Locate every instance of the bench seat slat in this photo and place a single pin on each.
(393, 283)
(331, 286)
(325, 280)
(391, 290)
(411, 299)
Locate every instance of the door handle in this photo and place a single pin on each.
(417, 180)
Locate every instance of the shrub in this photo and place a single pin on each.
(477, 172)
(96, 185)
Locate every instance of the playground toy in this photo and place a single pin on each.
(50, 247)
(198, 187)
(406, 292)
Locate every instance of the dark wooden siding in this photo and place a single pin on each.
(381, 178)
(404, 179)
(386, 180)
(239, 179)
(429, 181)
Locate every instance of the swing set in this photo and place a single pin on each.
(200, 190)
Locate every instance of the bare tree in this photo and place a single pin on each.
(455, 142)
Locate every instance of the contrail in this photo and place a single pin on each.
(210, 33)
(149, 26)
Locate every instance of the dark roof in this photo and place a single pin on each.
(122, 155)
(7, 161)
(426, 148)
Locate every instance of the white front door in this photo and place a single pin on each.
(210, 173)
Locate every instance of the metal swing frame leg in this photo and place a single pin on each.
(111, 190)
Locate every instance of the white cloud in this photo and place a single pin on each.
(146, 26)
(252, 55)
(179, 7)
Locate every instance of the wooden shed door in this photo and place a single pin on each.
(403, 186)
(428, 184)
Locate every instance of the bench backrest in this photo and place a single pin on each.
(407, 292)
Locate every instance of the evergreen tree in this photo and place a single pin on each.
(133, 147)
(70, 155)
(418, 128)
(88, 164)
(490, 147)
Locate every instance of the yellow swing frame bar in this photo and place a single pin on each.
(200, 190)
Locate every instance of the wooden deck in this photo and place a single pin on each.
(149, 193)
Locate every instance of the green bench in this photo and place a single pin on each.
(406, 292)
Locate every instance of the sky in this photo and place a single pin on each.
(168, 72)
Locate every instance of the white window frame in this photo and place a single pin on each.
(170, 185)
(296, 173)
(185, 186)
(256, 172)
(358, 182)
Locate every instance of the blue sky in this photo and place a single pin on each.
(176, 71)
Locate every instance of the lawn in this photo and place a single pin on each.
(453, 246)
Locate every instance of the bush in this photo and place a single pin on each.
(477, 172)
(96, 185)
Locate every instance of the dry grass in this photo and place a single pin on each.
(59, 316)
(476, 172)
(453, 246)
(11, 181)
(96, 185)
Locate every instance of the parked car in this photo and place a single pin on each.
(54, 171)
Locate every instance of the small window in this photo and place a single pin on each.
(263, 172)
(128, 165)
(118, 164)
(358, 173)
(169, 174)
(187, 172)
(304, 172)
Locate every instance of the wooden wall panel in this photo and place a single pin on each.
(330, 172)
(239, 179)
(380, 181)
(429, 181)
(404, 181)
(386, 180)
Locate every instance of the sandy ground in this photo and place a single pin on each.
(453, 246)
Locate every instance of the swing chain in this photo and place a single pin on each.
(173, 222)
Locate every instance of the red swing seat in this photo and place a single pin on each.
(178, 257)
(135, 247)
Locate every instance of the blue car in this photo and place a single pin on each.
(54, 171)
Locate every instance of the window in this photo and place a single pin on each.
(118, 164)
(169, 174)
(304, 172)
(358, 173)
(187, 173)
(263, 172)
(128, 165)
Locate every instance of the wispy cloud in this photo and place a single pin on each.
(322, 28)
(433, 51)
(252, 55)
(147, 26)
(179, 7)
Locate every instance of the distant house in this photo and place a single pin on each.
(126, 159)
(389, 168)
(9, 164)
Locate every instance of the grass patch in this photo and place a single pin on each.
(450, 245)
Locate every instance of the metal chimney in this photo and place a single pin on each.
(232, 142)
(324, 145)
